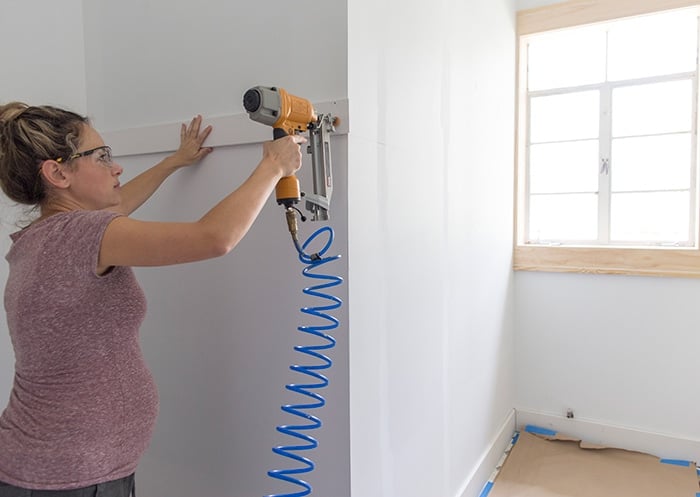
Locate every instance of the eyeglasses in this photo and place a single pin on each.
(104, 156)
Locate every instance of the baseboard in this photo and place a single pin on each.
(662, 446)
(480, 476)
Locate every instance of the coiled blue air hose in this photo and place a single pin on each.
(307, 422)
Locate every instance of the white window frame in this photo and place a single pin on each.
(656, 261)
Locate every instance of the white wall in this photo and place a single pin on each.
(36, 71)
(531, 4)
(430, 235)
(619, 350)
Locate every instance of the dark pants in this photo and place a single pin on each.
(116, 488)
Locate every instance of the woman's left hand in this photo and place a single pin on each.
(191, 150)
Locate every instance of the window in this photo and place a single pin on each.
(607, 139)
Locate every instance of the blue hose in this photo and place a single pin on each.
(316, 380)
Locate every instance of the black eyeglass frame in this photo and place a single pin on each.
(86, 153)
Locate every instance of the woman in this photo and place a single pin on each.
(83, 402)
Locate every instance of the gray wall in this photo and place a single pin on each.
(219, 338)
(220, 334)
(25, 69)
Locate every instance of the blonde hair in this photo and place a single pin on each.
(28, 136)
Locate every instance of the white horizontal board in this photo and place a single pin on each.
(237, 129)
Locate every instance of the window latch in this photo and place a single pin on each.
(605, 166)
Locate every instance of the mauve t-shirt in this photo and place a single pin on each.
(83, 403)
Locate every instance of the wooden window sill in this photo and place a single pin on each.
(673, 262)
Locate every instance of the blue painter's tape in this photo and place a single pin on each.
(540, 431)
(486, 489)
(517, 436)
(676, 462)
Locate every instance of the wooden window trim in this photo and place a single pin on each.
(663, 261)
(579, 12)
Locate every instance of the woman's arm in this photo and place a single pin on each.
(128, 242)
(138, 190)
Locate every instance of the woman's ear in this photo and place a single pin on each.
(54, 174)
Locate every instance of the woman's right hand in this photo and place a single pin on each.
(284, 154)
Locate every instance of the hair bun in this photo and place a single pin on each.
(11, 111)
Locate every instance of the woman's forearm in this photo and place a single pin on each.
(128, 242)
(232, 217)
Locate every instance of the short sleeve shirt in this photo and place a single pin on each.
(83, 403)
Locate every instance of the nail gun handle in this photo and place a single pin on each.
(287, 191)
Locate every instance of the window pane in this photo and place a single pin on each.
(651, 163)
(652, 109)
(652, 45)
(569, 58)
(572, 116)
(563, 217)
(653, 217)
(564, 167)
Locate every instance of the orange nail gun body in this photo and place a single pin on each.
(289, 114)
